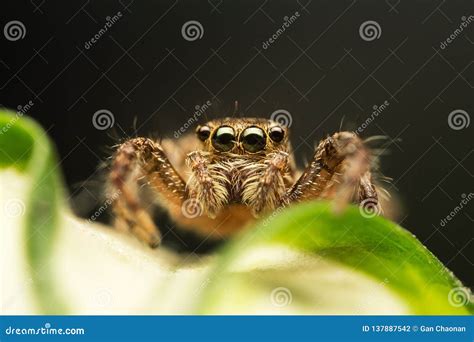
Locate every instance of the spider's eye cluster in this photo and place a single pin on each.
(203, 132)
(223, 139)
(276, 133)
(253, 139)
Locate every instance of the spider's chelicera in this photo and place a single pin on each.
(230, 172)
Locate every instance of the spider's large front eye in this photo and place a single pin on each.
(276, 133)
(253, 139)
(223, 139)
(203, 132)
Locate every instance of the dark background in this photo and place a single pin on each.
(320, 70)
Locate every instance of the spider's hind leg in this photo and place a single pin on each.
(340, 170)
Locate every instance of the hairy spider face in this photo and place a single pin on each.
(243, 136)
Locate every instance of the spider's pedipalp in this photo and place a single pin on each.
(208, 183)
(264, 183)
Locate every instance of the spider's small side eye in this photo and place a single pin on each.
(223, 139)
(203, 132)
(276, 134)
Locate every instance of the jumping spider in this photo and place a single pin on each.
(230, 172)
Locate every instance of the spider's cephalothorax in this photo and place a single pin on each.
(243, 162)
(230, 172)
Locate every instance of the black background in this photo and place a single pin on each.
(320, 70)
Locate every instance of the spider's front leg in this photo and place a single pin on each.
(136, 161)
(340, 170)
(264, 183)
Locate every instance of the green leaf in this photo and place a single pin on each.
(374, 247)
(24, 146)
